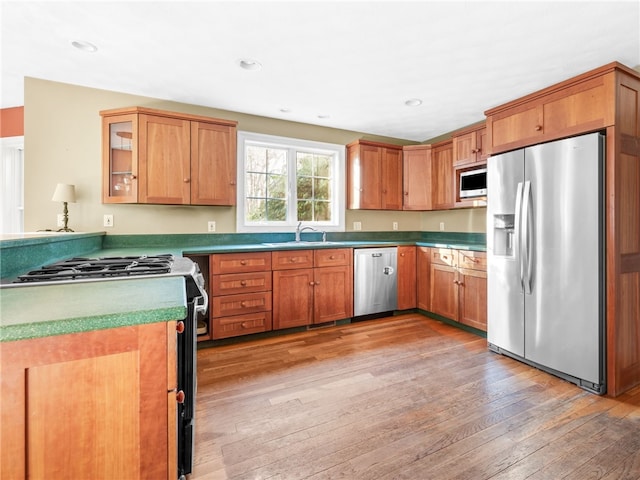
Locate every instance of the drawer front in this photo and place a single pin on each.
(288, 259)
(444, 256)
(234, 283)
(240, 262)
(241, 304)
(226, 327)
(472, 260)
(333, 257)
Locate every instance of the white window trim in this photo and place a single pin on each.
(338, 225)
(12, 182)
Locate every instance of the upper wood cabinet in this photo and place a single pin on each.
(443, 179)
(469, 146)
(374, 176)
(416, 166)
(153, 156)
(581, 104)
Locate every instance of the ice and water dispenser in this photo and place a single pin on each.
(503, 234)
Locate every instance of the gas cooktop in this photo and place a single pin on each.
(100, 268)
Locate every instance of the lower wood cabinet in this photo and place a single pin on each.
(453, 283)
(98, 405)
(312, 286)
(407, 291)
(240, 297)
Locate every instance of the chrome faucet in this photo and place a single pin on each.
(300, 229)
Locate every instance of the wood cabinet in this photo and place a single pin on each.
(453, 284)
(407, 288)
(158, 157)
(469, 146)
(608, 99)
(99, 405)
(312, 286)
(417, 188)
(374, 176)
(241, 294)
(443, 180)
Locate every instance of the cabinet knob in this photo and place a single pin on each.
(461, 284)
(243, 304)
(232, 182)
(538, 128)
(180, 327)
(243, 262)
(187, 180)
(243, 283)
(311, 284)
(332, 257)
(180, 397)
(133, 177)
(406, 193)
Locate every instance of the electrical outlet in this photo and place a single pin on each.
(61, 220)
(395, 225)
(211, 226)
(441, 226)
(107, 221)
(357, 225)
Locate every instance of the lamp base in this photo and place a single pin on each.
(65, 229)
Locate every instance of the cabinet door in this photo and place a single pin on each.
(407, 289)
(164, 160)
(292, 298)
(89, 405)
(423, 277)
(472, 285)
(443, 177)
(416, 165)
(333, 294)
(213, 164)
(444, 290)
(120, 159)
(391, 168)
(364, 176)
(464, 149)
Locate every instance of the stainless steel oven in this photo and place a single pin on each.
(146, 266)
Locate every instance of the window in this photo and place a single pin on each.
(284, 181)
(12, 180)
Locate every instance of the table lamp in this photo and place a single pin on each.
(65, 193)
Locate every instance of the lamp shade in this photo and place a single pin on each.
(64, 193)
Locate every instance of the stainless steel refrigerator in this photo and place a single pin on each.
(545, 252)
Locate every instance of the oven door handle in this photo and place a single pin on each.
(201, 303)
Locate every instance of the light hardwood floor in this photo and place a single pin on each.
(404, 397)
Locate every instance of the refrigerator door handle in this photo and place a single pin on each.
(526, 238)
(518, 235)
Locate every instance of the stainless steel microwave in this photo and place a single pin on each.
(473, 183)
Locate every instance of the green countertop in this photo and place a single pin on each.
(44, 310)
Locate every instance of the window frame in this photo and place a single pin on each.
(293, 145)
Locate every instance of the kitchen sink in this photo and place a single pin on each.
(301, 243)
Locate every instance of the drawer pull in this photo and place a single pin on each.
(332, 257)
(243, 283)
(243, 262)
(243, 304)
(244, 325)
(538, 128)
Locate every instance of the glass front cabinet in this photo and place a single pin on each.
(120, 165)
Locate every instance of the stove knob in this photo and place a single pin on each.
(180, 327)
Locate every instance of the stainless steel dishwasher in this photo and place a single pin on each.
(375, 280)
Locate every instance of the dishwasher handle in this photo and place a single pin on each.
(388, 270)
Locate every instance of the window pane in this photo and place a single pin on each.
(322, 211)
(277, 186)
(255, 210)
(322, 189)
(256, 160)
(277, 161)
(305, 188)
(305, 163)
(256, 185)
(305, 211)
(276, 210)
(323, 166)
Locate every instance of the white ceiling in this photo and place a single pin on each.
(355, 61)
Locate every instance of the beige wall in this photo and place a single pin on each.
(62, 145)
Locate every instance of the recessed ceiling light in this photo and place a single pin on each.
(323, 116)
(84, 46)
(248, 64)
(285, 110)
(413, 102)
